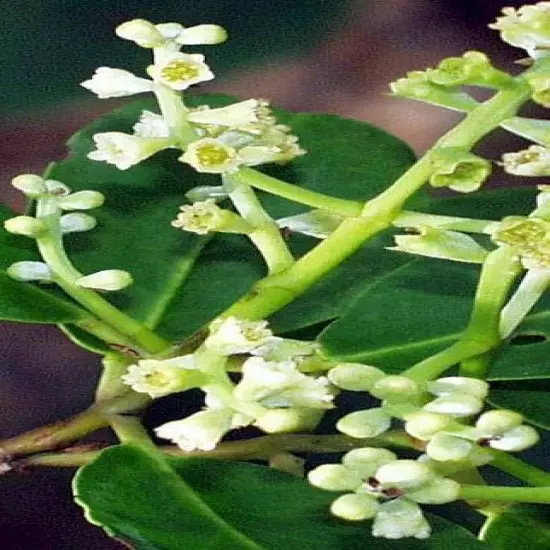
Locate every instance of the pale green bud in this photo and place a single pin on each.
(455, 404)
(315, 223)
(498, 421)
(459, 170)
(363, 424)
(515, 440)
(355, 507)
(109, 279)
(82, 200)
(75, 222)
(354, 376)
(334, 477)
(287, 420)
(56, 188)
(31, 185)
(434, 242)
(540, 84)
(30, 271)
(473, 68)
(400, 518)
(25, 225)
(202, 34)
(444, 447)
(438, 490)
(142, 32)
(395, 388)
(367, 460)
(403, 474)
(452, 384)
(424, 425)
(204, 192)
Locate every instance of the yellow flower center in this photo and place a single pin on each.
(178, 71)
(212, 155)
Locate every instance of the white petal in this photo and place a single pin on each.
(400, 518)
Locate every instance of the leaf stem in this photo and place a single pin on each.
(509, 494)
(519, 469)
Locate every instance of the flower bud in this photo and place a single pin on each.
(204, 192)
(363, 424)
(334, 477)
(108, 82)
(439, 490)
(30, 271)
(31, 185)
(395, 388)
(289, 420)
(367, 460)
(400, 518)
(355, 507)
(516, 440)
(444, 447)
(424, 425)
(25, 225)
(459, 170)
(142, 32)
(109, 279)
(315, 223)
(202, 34)
(56, 188)
(354, 376)
(403, 474)
(452, 384)
(456, 404)
(82, 200)
(75, 222)
(498, 421)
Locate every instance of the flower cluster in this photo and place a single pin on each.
(54, 218)
(214, 141)
(273, 393)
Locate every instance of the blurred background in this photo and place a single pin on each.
(334, 56)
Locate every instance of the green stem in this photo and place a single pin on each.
(532, 287)
(130, 430)
(110, 385)
(266, 236)
(259, 448)
(63, 432)
(409, 218)
(498, 273)
(519, 469)
(275, 291)
(509, 494)
(50, 246)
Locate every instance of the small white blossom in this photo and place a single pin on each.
(109, 279)
(202, 430)
(211, 156)
(533, 161)
(108, 82)
(231, 336)
(125, 150)
(281, 384)
(400, 518)
(151, 125)
(503, 430)
(180, 70)
(236, 114)
(162, 377)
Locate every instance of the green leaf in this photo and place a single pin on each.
(182, 281)
(25, 302)
(521, 527)
(214, 505)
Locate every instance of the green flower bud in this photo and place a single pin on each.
(82, 200)
(417, 85)
(367, 460)
(363, 424)
(395, 388)
(25, 225)
(354, 376)
(424, 425)
(30, 271)
(109, 279)
(204, 192)
(441, 243)
(439, 490)
(142, 32)
(355, 507)
(456, 404)
(444, 447)
(459, 170)
(452, 384)
(499, 421)
(403, 474)
(540, 84)
(289, 420)
(473, 68)
(30, 185)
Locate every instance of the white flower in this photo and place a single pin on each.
(180, 70)
(400, 518)
(109, 279)
(533, 161)
(151, 125)
(236, 114)
(281, 384)
(202, 430)
(210, 155)
(231, 336)
(108, 82)
(162, 377)
(125, 150)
